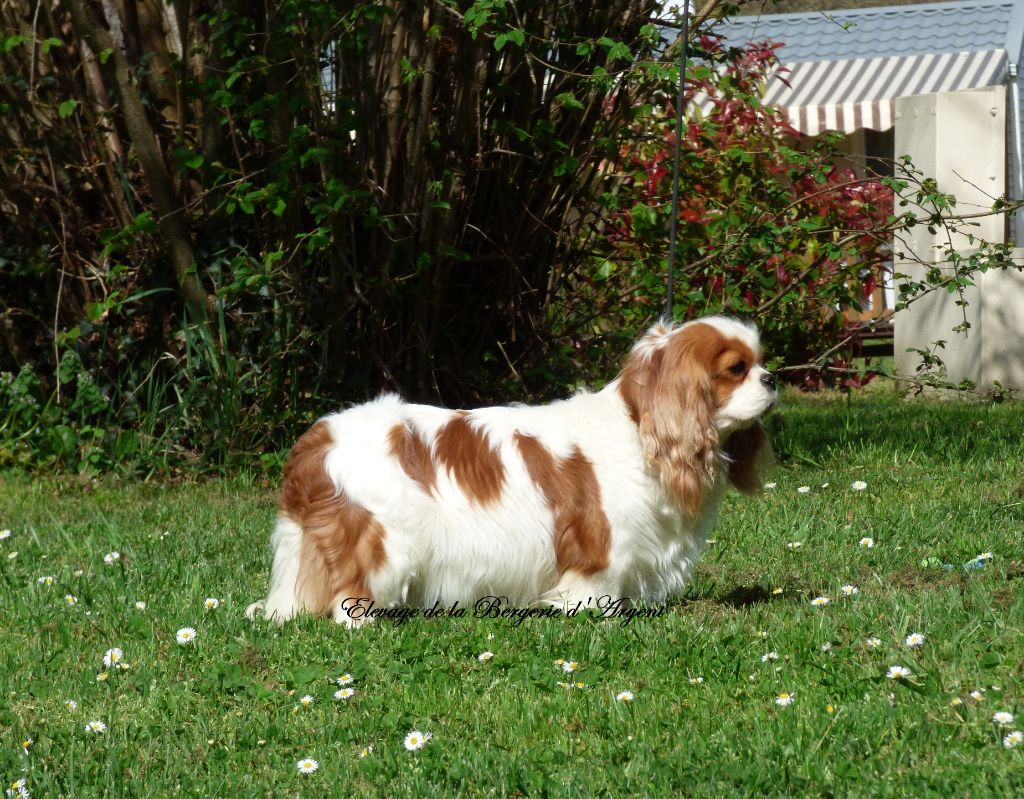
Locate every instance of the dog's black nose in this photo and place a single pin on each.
(768, 380)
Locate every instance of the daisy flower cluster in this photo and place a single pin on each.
(345, 690)
(113, 659)
(18, 789)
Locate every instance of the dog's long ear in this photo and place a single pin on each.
(747, 452)
(669, 393)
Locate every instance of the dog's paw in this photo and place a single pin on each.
(254, 610)
(343, 618)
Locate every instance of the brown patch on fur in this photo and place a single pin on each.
(582, 536)
(467, 455)
(672, 392)
(342, 543)
(747, 451)
(413, 454)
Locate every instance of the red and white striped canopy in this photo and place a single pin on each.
(857, 93)
(860, 92)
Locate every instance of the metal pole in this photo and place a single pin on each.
(680, 101)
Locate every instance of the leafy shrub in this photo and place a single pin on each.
(218, 224)
(770, 227)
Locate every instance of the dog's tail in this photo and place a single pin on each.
(325, 545)
(300, 575)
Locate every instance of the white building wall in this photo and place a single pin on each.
(960, 139)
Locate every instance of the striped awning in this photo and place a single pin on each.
(860, 92)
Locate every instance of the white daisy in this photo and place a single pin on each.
(112, 657)
(794, 545)
(307, 765)
(696, 680)
(96, 727)
(4, 535)
(867, 542)
(345, 679)
(366, 751)
(914, 640)
(46, 580)
(483, 657)
(1012, 739)
(19, 789)
(71, 705)
(624, 696)
(818, 601)
(826, 647)
(570, 666)
(804, 490)
(306, 701)
(784, 699)
(140, 605)
(977, 695)
(186, 635)
(111, 557)
(769, 656)
(858, 485)
(873, 642)
(849, 590)
(211, 603)
(897, 672)
(1002, 718)
(344, 693)
(71, 599)
(417, 740)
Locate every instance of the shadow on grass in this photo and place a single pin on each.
(809, 428)
(743, 596)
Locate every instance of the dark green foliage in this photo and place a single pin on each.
(222, 219)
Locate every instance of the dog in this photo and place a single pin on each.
(606, 494)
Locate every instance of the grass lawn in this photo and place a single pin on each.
(222, 716)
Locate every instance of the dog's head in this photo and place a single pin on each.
(697, 392)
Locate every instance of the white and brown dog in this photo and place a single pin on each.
(611, 493)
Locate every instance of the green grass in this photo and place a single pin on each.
(220, 717)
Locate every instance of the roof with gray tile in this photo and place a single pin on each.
(966, 25)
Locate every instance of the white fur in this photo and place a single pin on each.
(444, 547)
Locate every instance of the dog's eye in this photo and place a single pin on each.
(738, 368)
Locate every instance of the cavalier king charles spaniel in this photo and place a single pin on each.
(607, 494)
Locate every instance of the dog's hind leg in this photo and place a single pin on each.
(282, 601)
